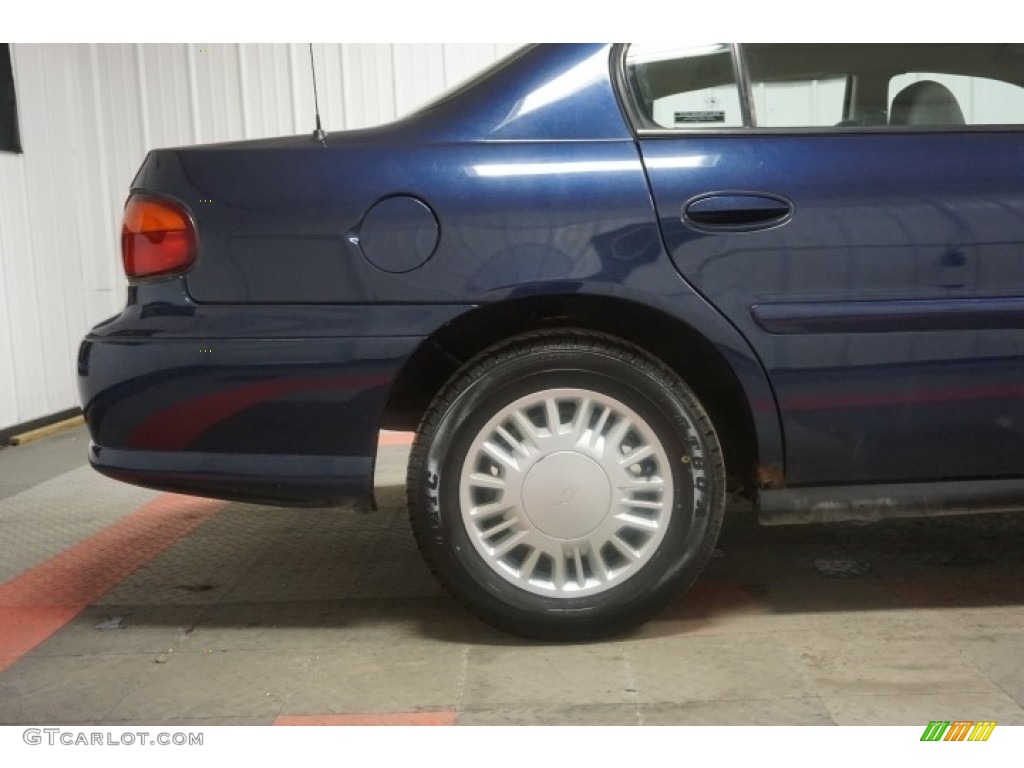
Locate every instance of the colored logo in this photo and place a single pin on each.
(958, 730)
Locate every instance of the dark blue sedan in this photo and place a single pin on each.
(605, 284)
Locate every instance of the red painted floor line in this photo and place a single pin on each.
(394, 438)
(442, 717)
(38, 602)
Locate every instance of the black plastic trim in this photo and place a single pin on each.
(833, 131)
(829, 504)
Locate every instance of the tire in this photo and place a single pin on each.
(566, 485)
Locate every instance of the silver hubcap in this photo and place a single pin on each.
(566, 492)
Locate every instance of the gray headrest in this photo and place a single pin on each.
(926, 103)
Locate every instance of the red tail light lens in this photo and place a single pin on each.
(157, 238)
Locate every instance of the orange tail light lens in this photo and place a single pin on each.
(157, 238)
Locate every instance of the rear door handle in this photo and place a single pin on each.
(737, 211)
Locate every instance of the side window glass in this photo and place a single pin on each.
(684, 86)
(812, 102)
(795, 86)
(880, 85)
(935, 98)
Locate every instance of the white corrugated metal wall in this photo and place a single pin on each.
(89, 113)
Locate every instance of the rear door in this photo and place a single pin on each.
(857, 211)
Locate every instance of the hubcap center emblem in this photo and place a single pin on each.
(566, 495)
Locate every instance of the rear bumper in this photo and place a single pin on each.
(287, 421)
(277, 405)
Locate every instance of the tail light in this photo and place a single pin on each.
(158, 237)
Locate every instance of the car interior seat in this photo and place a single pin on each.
(926, 103)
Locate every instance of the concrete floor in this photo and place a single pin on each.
(122, 606)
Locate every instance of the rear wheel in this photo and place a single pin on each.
(566, 485)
